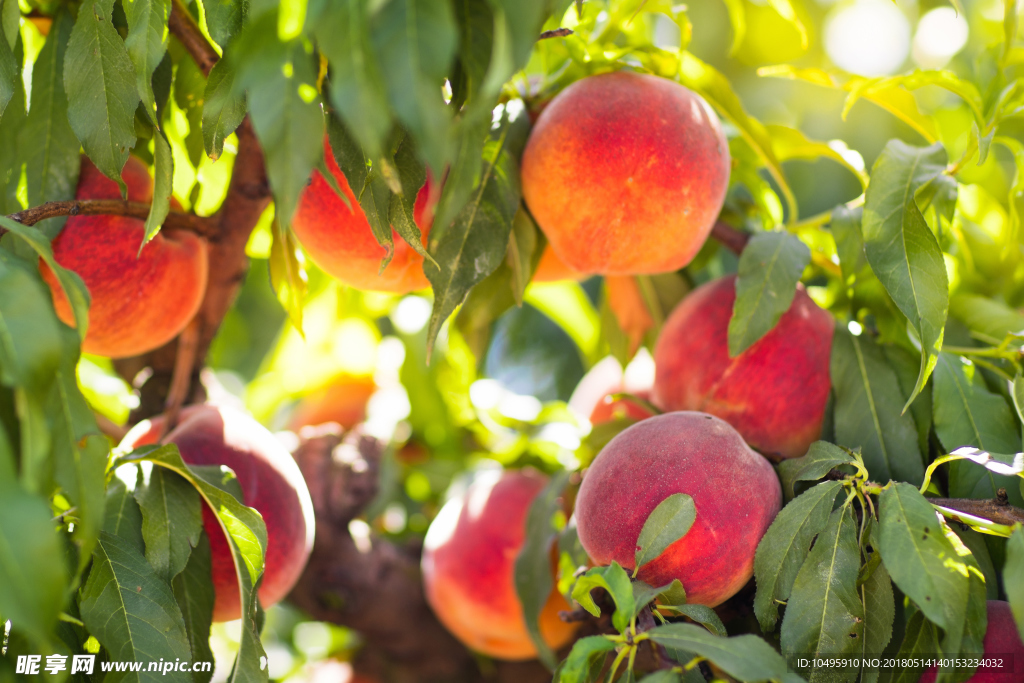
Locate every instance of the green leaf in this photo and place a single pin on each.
(224, 18)
(716, 89)
(532, 574)
(644, 593)
(79, 452)
(845, 228)
(745, 658)
(905, 365)
(8, 74)
(70, 282)
(247, 536)
(968, 414)
(30, 339)
(414, 42)
(284, 108)
(99, 80)
(412, 174)
(868, 400)
(11, 20)
(474, 246)
(1013, 576)
(146, 43)
(790, 143)
(662, 676)
(769, 270)
(131, 610)
(31, 572)
(667, 523)
(920, 640)
(705, 616)
(171, 521)
(356, 88)
(784, 547)
(581, 659)
(163, 178)
(122, 516)
(824, 616)
(613, 579)
(822, 457)
(223, 108)
(988, 316)
(919, 557)
(193, 590)
(12, 125)
(47, 142)
(901, 248)
(287, 274)
(879, 616)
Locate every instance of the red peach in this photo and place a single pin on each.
(1001, 638)
(469, 556)
(626, 173)
(735, 491)
(774, 393)
(271, 484)
(339, 239)
(140, 301)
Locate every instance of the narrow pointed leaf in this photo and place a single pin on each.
(193, 590)
(146, 43)
(163, 178)
(223, 108)
(171, 521)
(745, 658)
(667, 523)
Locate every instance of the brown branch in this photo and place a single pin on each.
(176, 220)
(556, 33)
(996, 509)
(181, 376)
(183, 26)
(733, 239)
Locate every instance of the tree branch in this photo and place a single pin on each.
(183, 27)
(996, 509)
(176, 220)
(555, 33)
(731, 238)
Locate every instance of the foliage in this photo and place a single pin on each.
(917, 254)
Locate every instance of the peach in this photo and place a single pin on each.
(626, 173)
(270, 482)
(1002, 641)
(774, 393)
(468, 563)
(550, 268)
(340, 241)
(140, 301)
(592, 397)
(735, 491)
(342, 401)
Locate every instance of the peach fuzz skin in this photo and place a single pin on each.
(468, 562)
(626, 173)
(734, 489)
(140, 301)
(774, 393)
(1001, 638)
(270, 482)
(340, 241)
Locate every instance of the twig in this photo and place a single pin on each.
(556, 33)
(996, 509)
(731, 238)
(115, 431)
(183, 27)
(181, 378)
(176, 220)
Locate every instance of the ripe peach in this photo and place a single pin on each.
(735, 491)
(340, 241)
(774, 393)
(1002, 641)
(550, 268)
(626, 173)
(270, 482)
(592, 396)
(469, 556)
(342, 401)
(140, 301)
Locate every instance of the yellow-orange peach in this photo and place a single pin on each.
(271, 483)
(468, 564)
(550, 268)
(734, 489)
(342, 401)
(626, 173)
(774, 393)
(140, 301)
(339, 239)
